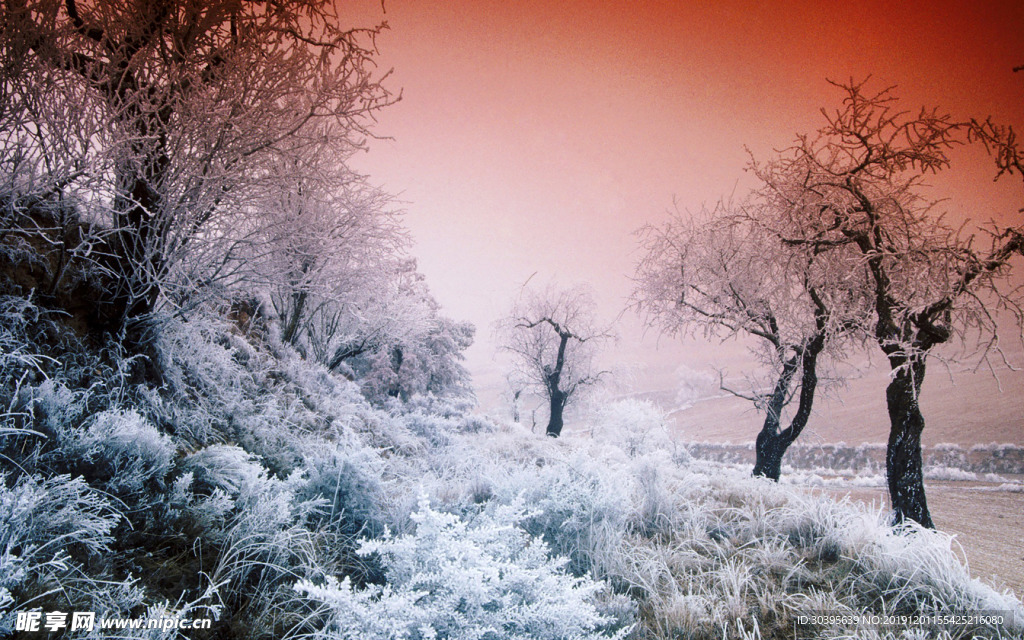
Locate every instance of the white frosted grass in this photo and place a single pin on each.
(704, 543)
(449, 578)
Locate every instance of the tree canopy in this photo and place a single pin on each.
(163, 124)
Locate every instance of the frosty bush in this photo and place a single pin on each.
(224, 467)
(348, 479)
(234, 498)
(448, 406)
(199, 363)
(121, 452)
(434, 429)
(16, 354)
(459, 580)
(258, 529)
(50, 531)
(636, 426)
(582, 511)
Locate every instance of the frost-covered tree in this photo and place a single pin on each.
(854, 188)
(717, 274)
(396, 342)
(553, 335)
(159, 124)
(321, 252)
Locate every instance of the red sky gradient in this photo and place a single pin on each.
(537, 136)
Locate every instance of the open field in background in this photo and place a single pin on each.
(974, 476)
(967, 410)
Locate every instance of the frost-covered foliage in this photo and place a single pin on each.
(252, 105)
(54, 533)
(459, 580)
(350, 482)
(636, 426)
(422, 361)
(16, 313)
(581, 510)
(240, 485)
(120, 452)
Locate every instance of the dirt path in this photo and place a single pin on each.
(989, 525)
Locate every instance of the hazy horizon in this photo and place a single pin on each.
(535, 138)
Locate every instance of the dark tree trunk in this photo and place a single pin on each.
(298, 308)
(771, 446)
(555, 422)
(133, 260)
(291, 331)
(904, 470)
(515, 406)
(136, 247)
(772, 442)
(397, 356)
(556, 395)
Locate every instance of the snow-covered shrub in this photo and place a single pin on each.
(120, 452)
(18, 355)
(260, 533)
(448, 406)
(636, 426)
(476, 423)
(946, 454)
(458, 580)
(653, 505)
(332, 397)
(53, 517)
(916, 570)
(386, 432)
(224, 495)
(581, 510)
(55, 540)
(348, 478)
(224, 467)
(199, 365)
(53, 406)
(434, 429)
(424, 358)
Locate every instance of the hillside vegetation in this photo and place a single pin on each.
(255, 487)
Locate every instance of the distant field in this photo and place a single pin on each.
(967, 411)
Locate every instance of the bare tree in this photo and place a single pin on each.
(855, 188)
(181, 116)
(553, 336)
(326, 251)
(715, 273)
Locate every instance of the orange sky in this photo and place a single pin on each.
(537, 136)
